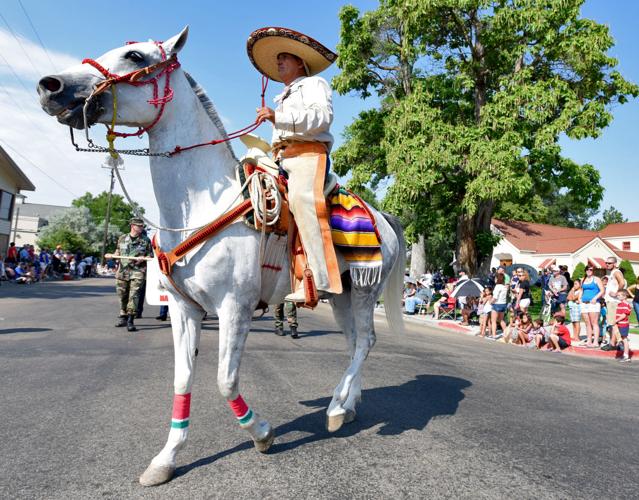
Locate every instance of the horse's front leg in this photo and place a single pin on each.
(186, 322)
(235, 323)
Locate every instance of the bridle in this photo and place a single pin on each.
(162, 68)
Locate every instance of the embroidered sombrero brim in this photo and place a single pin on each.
(265, 44)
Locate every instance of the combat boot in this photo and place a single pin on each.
(279, 331)
(121, 321)
(294, 334)
(129, 324)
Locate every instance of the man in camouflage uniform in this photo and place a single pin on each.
(131, 274)
(290, 310)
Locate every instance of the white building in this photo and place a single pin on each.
(541, 245)
(30, 219)
(12, 181)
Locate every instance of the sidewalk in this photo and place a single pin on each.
(472, 331)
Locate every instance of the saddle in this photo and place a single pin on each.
(256, 159)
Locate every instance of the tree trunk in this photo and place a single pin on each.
(418, 258)
(467, 254)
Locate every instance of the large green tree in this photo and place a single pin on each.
(474, 96)
(121, 211)
(75, 230)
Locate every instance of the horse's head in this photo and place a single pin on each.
(64, 95)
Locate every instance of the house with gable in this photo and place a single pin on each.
(543, 245)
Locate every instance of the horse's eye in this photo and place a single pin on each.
(134, 56)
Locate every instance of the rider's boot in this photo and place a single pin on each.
(121, 321)
(294, 334)
(279, 331)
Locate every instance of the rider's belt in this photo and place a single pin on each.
(290, 149)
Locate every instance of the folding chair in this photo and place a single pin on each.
(450, 310)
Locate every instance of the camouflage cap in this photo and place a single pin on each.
(136, 221)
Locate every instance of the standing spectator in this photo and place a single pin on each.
(491, 277)
(438, 281)
(616, 282)
(502, 270)
(574, 307)
(543, 281)
(56, 259)
(12, 254)
(131, 272)
(632, 289)
(559, 288)
(522, 291)
(622, 322)
(485, 310)
(559, 334)
(500, 302)
(290, 310)
(24, 254)
(564, 271)
(592, 290)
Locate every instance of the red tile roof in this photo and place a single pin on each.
(619, 230)
(622, 254)
(543, 238)
(547, 239)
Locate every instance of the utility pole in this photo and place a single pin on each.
(108, 216)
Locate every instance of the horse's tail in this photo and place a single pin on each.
(395, 284)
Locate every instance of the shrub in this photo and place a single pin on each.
(579, 272)
(628, 273)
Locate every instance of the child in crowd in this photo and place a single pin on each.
(538, 335)
(512, 329)
(524, 329)
(485, 308)
(559, 334)
(623, 323)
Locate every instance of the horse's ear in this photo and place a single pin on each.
(174, 45)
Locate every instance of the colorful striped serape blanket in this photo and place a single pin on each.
(355, 235)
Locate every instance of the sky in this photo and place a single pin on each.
(39, 37)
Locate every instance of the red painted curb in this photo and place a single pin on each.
(453, 326)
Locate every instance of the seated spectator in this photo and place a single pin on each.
(538, 334)
(559, 334)
(485, 310)
(410, 289)
(3, 275)
(470, 310)
(23, 274)
(445, 302)
(422, 296)
(523, 331)
(512, 329)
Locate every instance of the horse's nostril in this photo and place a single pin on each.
(51, 83)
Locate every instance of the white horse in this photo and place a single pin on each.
(224, 275)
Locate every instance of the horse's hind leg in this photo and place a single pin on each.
(354, 313)
(186, 323)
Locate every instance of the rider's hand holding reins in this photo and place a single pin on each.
(265, 113)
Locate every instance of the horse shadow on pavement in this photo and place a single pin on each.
(396, 409)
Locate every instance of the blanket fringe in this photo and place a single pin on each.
(365, 275)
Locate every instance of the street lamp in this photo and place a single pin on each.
(17, 201)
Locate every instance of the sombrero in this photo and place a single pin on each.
(264, 45)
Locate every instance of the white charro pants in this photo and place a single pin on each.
(305, 164)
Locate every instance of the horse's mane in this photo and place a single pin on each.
(209, 107)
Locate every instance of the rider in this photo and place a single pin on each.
(301, 138)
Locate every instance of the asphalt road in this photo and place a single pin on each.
(85, 407)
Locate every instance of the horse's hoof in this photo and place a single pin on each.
(264, 445)
(156, 474)
(335, 422)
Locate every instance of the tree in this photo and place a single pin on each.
(74, 229)
(474, 95)
(609, 216)
(121, 211)
(628, 272)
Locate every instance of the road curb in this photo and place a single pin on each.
(446, 326)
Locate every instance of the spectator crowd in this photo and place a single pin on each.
(23, 265)
(502, 306)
